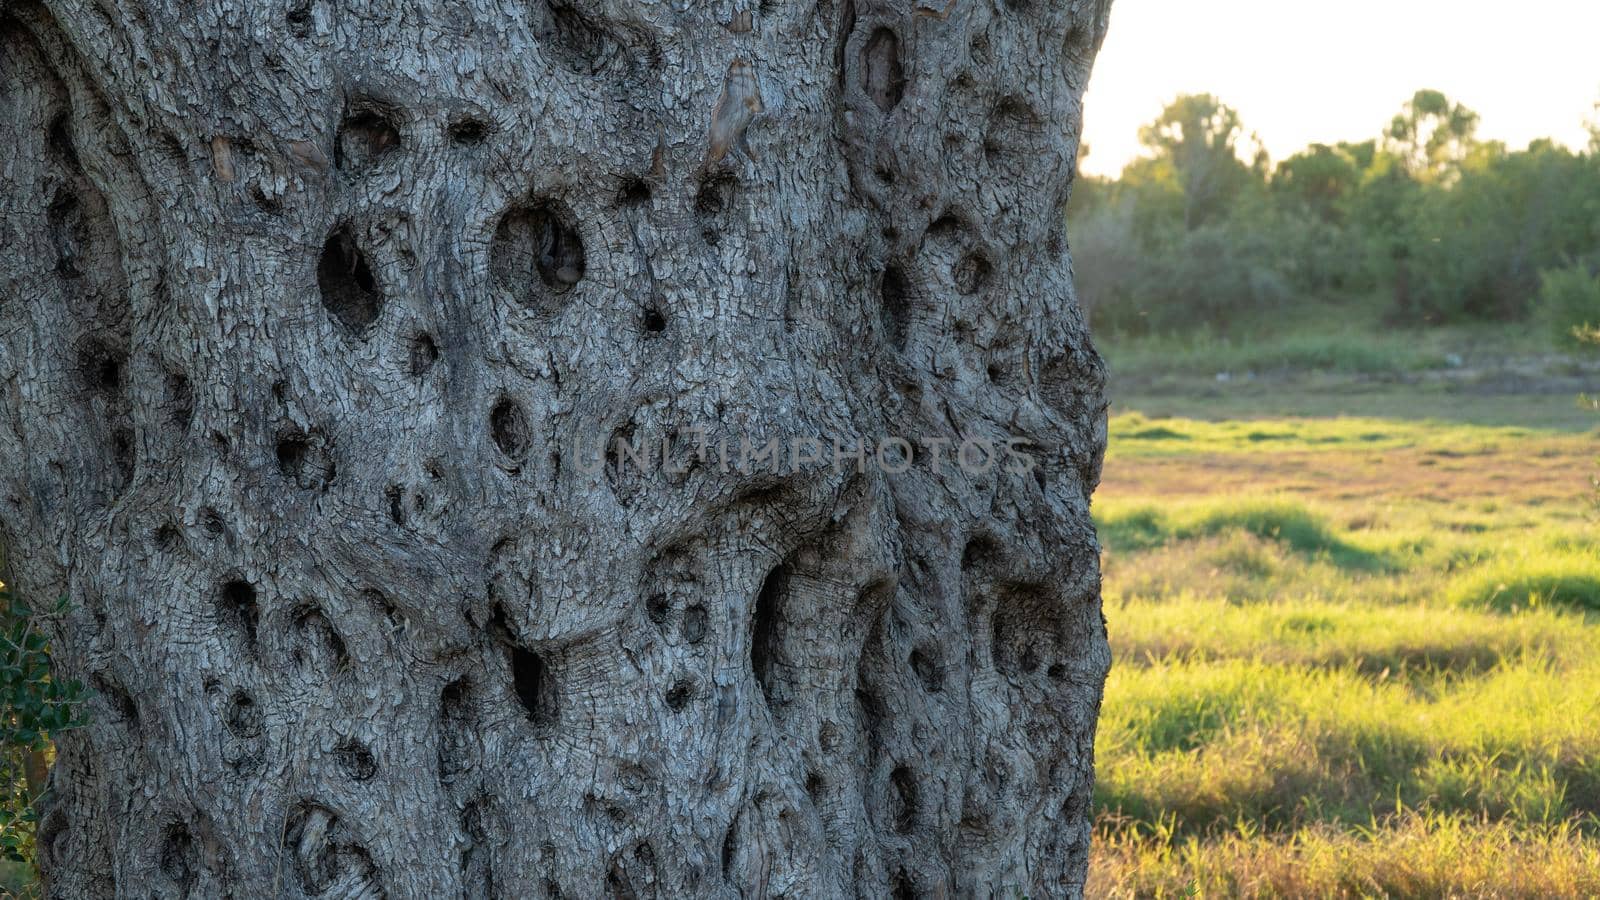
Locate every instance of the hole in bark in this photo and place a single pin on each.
(102, 367)
(168, 539)
(292, 448)
(679, 695)
(903, 888)
(531, 678)
(885, 80)
(356, 760)
(972, 273)
(365, 136)
(815, 785)
(242, 717)
(695, 622)
(979, 47)
(456, 730)
(477, 868)
(635, 191)
(730, 845)
(715, 193)
(317, 644)
(299, 18)
(873, 712)
(468, 131)
(180, 399)
(349, 291)
(304, 459)
(1023, 620)
(238, 611)
(925, 662)
(424, 353)
(395, 495)
(1030, 660)
(642, 864)
(653, 321)
(508, 425)
(59, 137)
(903, 799)
(896, 297)
(536, 253)
(116, 697)
(947, 227)
(69, 230)
(658, 607)
(270, 205)
(980, 552)
(764, 635)
(177, 859)
(324, 856)
(827, 737)
(617, 885)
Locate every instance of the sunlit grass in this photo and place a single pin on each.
(1134, 434)
(1205, 742)
(1409, 855)
(1546, 577)
(1390, 641)
(1355, 657)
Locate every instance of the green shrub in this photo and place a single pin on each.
(36, 706)
(1569, 303)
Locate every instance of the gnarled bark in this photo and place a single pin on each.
(309, 314)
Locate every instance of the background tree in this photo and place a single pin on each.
(1195, 144)
(311, 319)
(1448, 227)
(1322, 177)
(1432, 136)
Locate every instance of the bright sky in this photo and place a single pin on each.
(1301, 72)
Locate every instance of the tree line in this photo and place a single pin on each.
(1437, 224)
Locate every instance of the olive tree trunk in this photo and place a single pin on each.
(442, 418)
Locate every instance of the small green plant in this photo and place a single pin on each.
(36, 707)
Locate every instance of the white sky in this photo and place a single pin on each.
(1304, 71)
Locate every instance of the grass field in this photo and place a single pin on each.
(1356, 620)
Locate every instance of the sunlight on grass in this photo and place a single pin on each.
(1355, 657)
(1133, 434)
(1406, 856)
(1547, 578)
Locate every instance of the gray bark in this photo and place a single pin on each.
(304, 308)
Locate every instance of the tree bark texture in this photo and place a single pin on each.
(307, 309)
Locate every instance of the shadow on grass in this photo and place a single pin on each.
(1299, 529)
(1507, 591)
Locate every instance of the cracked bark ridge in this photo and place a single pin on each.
(305, 309)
